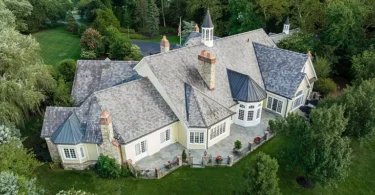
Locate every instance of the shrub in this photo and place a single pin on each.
(73, 192)
(125, 172)
(66, 69)
(107, 167)
(237, 145)
(183, 155)
(126, 31)
(325, 86)
(81, 29)
(88, 54)
(137, 36)
(91, 40)
(111, 35)
(120, 48)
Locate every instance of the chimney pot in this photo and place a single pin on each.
(203, 53)
(164, 45)
(210, 55)
(309, 53)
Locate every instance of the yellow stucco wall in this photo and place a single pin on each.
(92, 151)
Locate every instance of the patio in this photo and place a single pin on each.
(223, 148)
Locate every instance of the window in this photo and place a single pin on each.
(196, 137)
(165, 136)
(250, 115)
(298, 101)
(242, 106)
(241, 114)
(274, 104)
(141, 148)
(251, 107)
(218, 130)
(259, 104)
(258, 113)
(70, 153)
(82, 152)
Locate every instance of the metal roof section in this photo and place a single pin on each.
(287, 20)
(244, 88)
(70, 132)
(207, 22)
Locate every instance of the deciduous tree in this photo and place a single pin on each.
(243, 16)
(11, 184)
(364, 65)
(91, 40)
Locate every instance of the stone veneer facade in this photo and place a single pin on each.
(109, 147)
(52, 148)
(78, 166)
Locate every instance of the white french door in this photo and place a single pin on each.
(141, 150)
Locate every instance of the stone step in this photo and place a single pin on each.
(197, 166)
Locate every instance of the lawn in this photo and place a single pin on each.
(58, 44)
(213, 180)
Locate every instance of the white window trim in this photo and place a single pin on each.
(70, 153)
(204, 139)
(220, 134)
(278, 100)
(295, 100)
(82, 152)
(140, 147)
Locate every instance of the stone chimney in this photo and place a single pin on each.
(207, 68)
(164, 45)
(106, 126)
(196, 28)
(109, 146)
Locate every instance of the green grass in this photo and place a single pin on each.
(213, 180)
(58, 44)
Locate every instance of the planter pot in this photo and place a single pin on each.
(257, 142)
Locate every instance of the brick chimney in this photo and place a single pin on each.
(164, 45)
(207, 68)
(196, 28)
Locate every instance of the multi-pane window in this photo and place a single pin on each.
(218, 130)
(70, 153)
(258, 113)
(141, 148)
(82, 152)
(298, 101)
(250, 115)
(242, 106)
(196, 137)
(165, 136)
(241, 114)
(274, 104)
(251, 107)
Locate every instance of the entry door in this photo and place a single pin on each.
(140, 150)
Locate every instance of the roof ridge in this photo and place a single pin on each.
(280, 49)
(219, 39)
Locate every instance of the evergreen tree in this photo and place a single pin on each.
(262, 177)
(104, 19)
(152, 18)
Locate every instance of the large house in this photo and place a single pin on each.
(191, 95)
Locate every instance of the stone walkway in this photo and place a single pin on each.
(223, 148)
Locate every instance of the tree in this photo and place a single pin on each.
(325, 86)
(14, 157)
(308, 14)
(299, 42)
(105, 18)
(262, 177)
(66, 69)
(187, 28)
(11, 184)
(317, 149)
(135, 53)
(322, 67)
(24, 77)
(359, 109)
(8, 132)
(21, 9)
(243, 17)
(147, 17)
(81, 29)
(273, 8)
(364, 65)
(111, 34)
(91, 40)
(120, 48)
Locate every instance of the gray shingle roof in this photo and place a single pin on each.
(207, 22)
(70, 132)
(53, 118)
(244, 88)
(94, 75)
(281, 69)
(202, 111)
(136, 108)
(194, 38)
(177, 67)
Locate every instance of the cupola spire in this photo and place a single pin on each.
(286, 26)
(208, 30)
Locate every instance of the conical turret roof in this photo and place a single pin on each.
(207, 22)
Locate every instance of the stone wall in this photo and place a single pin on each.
(52, 148)
(109, 147)
(78, 166)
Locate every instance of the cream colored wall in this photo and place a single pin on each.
(304, 87)
(309, 70)
(153, 142)
(92, 151)
(182, 134)
(197, 146)
(228, 123)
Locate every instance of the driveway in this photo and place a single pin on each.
(148, 48)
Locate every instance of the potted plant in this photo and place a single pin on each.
(183, 155)
(168, 165)
(237, 146)
(257, 140)
(209, 159)
(219, 159)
